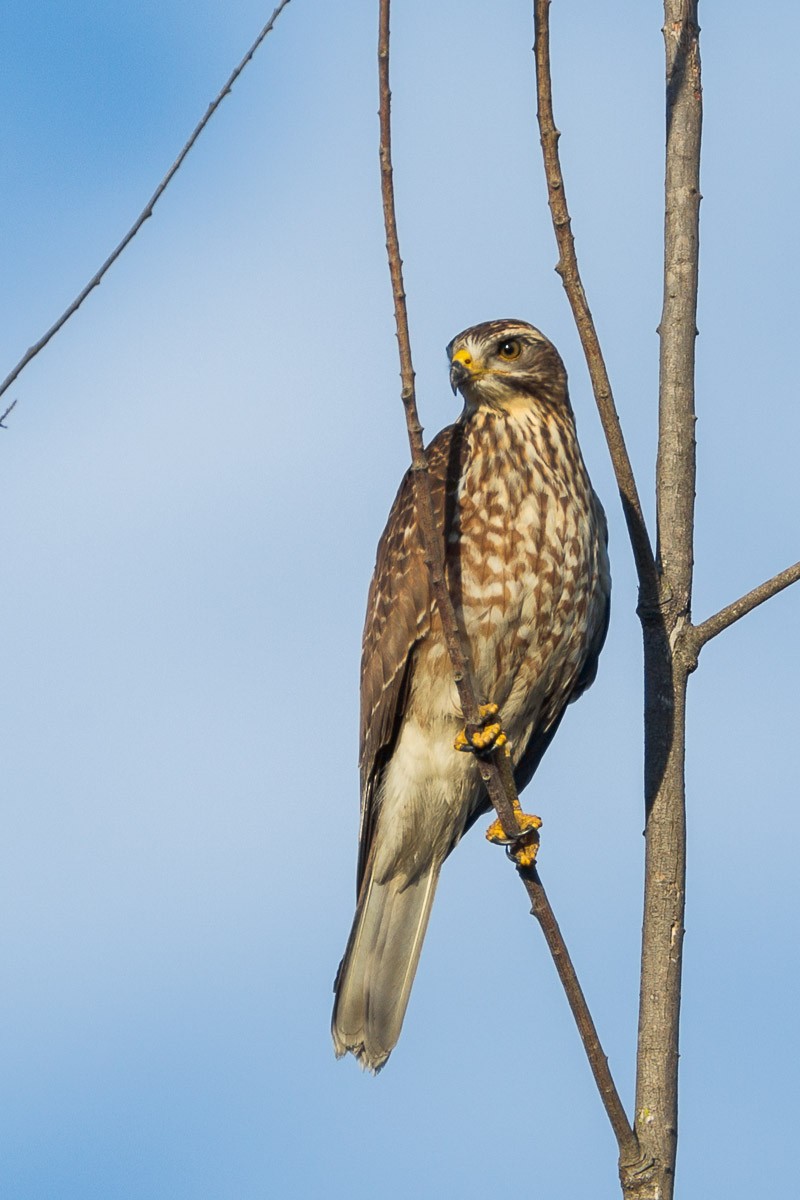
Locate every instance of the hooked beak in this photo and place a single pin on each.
(462, 369)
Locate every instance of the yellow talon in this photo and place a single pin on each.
(488, 737)
(524, 848)
(524, 855)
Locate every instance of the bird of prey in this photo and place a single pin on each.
(524, 538)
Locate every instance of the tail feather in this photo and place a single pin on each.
(375, 977)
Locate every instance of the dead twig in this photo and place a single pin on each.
(146, 211)
(5, 414)
(567, 268)
(700, 634)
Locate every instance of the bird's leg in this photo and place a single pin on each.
(483, 738)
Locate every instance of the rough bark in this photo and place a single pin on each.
(664, 582)
(669, 656)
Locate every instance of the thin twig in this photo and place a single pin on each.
(567, 268)
(740, 608)
(146, 212)
(540, 907)
(503, 799)
(5, 414)
(495, 770)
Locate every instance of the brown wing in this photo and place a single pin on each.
(398, 618)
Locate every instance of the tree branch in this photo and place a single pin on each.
(567, 268)
(502, 798)
(664, 591)
(11, 406)
(671, 643)
(627, 1142)
(667, 670)
(496, 770)
(740, 608)
(146, 211)
(675, 466)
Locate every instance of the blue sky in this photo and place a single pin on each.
(194, 480)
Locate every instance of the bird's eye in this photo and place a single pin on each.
(509, 349)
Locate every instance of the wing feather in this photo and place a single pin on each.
(398, 618)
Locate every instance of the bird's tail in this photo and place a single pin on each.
(379, 965)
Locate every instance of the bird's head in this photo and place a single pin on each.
(507, 365)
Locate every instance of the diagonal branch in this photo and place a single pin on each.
(146, 212)
(11, 406)
(496, 770)
(502, 798)
(567, 268)
(627, 1142)
(740, 608)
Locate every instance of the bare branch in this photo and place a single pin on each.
(146, 212)
(503, 800)
(666, 671)
(567, 268)
(627, 1141)
(5, 414)
(496, 770)
(675, 467)
(740, 608)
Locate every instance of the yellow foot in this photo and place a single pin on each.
(524, 848)
(487, 737)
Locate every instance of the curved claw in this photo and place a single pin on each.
(484, 739)
(524, 851)
(525, 846)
